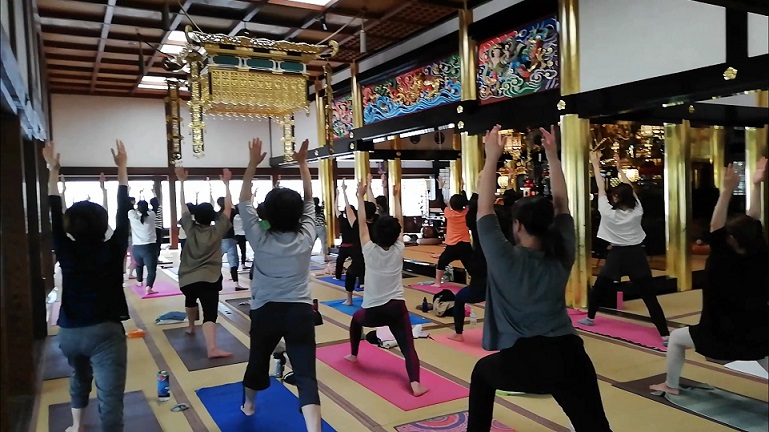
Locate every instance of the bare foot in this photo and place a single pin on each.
(418, 389)
(663, 387)
(347, 303)
(74, 429)
(139, 284)
(248, 409)
(351, 358)
(190, 330)
(217, 353)
(151, 291)
(456, 337)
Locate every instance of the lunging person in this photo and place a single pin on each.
(144, 249)
(458, 247)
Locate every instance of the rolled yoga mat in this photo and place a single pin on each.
(384, 374)
(456, 422)
(717, 405)
(277, 409)
(638, 334)
(137, 415)
(56, 365)
(356, 304)
(192, 348)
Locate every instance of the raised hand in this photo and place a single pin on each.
(441, 182)
(255, 153)
(362, 188)
(760, 174)
(616, 158)
(396, 190)
(731, 179)
(51, 157)
(595, 158)
(63, 183)
(548, 140)
(369, 179)
(492, 145)
(181, 173)
(102, 179)
(344, 185)
(119, 154)
(301, 155)
(226, 175)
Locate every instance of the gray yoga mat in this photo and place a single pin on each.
(137, 415)
(192, 349)
(56, 365)
(715, 404)
(236, 303)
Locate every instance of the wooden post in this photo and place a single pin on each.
(30, 151)
(173, 230)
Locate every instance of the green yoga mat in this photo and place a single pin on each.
(715, 404)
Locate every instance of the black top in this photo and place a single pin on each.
(92, 277)
(478, 268)
(348, 233)
(734, 324)
(356, 238)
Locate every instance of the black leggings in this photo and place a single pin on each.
(630, 261)
(540, 365)
(158, 239)
(295, 322)
(356, 271)
(241, 239)
(473, 293)
(462, 251)
(207, 293)
(344, 253)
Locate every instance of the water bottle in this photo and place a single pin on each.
(473, 318)
(425, 306)
(448, 276)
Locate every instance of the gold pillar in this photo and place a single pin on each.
(717, 152)
(362, 164)
(575, 145)
(394, 177)
(471, 163)
(755, 148)
(325, 168)
(287, 123)
(678, 202)
(455, 168)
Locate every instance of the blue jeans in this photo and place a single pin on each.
(230, 247)
(146, 255)
(468, 294)
(98, 351)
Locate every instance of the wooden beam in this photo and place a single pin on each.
(760, 7)
(103, 40)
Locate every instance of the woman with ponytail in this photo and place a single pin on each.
(526, 318)
(144, 240)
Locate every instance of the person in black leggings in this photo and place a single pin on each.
(621, 214)
(356, 272)
(344, 250)
(526, 317)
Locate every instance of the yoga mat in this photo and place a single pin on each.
(137, 415)
(618, 329)
(429, 287)
(235, 303)
(356, 304)
(163, 289)
(748, 367)
(471, 345)
(277, 409)
(56, 365)
(339, 283)
(385, 374)
(717, 405)
(192, 349)
(456, 422)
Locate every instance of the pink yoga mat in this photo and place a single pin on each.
(471, 345)
(163, 289)
(432, 289)
(385, 374)
(618, 329)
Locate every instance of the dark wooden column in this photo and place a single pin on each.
(15, 298)
(46, 239)
(174, 230)
(30, 152)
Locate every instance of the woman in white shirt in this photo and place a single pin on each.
(621, 215)
(144, 239)
(383, 303)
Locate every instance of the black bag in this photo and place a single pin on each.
(443, 303)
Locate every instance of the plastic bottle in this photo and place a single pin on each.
(473, 318)
(425, 306)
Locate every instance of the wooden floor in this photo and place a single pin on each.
(348, 406)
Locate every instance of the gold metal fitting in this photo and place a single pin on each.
(730, 73)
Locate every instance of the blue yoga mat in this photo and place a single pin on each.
(339, 283)
(356, 304)
(277, 409)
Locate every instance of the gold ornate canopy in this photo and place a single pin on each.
(244, 77)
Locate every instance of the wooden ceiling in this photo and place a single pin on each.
(91, 46)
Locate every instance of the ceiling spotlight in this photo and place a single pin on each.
(363, 47)
(323, 24)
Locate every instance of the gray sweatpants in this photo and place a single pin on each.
(98, 351)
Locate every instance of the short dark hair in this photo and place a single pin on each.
(748, 233)
(458, 202)
(381, 202)
(204, 213)
(370, 210)
(387, 230)
(86, 222)
(154, 203)
(536, 214)
(624, 197)
(220, 202)
(283, 209)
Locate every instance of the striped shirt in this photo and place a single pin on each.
(159, 217)
(320, 218)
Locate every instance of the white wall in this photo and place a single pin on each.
(628, 40)
(758, 35)
(748, 100)
(86, 126)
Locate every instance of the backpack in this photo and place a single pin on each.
(443, 303)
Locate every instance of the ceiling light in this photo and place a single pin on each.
(152, 79)
(363, 47)
(171, 49)
(323, 24)
(177, 36)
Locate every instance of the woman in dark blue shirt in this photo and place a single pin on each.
(93, 304)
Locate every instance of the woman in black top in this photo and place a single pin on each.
(93, 304)
(356, 272)
(345, 229)
(735, 299)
